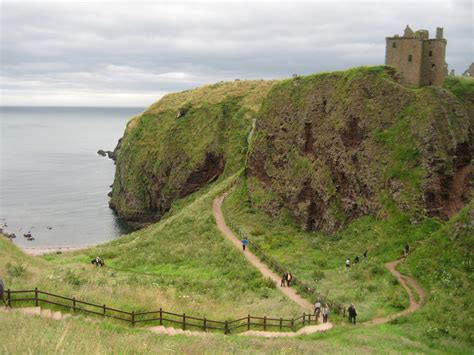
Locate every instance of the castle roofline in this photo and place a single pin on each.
(418, 39)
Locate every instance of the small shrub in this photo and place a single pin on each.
(72, 279)
(265, 293)
(268, 283)
(318, 275)
(256, 231)
(17, 270)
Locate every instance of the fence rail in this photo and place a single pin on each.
(160, 316)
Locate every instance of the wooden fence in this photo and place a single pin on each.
(160, 316)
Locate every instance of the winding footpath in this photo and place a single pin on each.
(254, 260)
(408, 283)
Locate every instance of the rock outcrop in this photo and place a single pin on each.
(333, 147)
(180, 144)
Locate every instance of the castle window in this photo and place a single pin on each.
(410, 58)
(430, 53)
(394, 45)
(433, 66)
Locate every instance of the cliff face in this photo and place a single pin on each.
(180, 144)
(333, 147)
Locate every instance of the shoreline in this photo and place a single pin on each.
(37, 251)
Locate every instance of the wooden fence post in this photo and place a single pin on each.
(205, 324)
(226, 331)
(103, 307)
(265, 323)
(304, 316)
(133, 318)
(281, 322)
(9, 302)
(184, 321)
(36, 296)
(248, 322)
(74, 304)
(293, 324)
(161, 316)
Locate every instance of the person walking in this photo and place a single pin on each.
(407, 249)
(317, 309)
(244, 243)
(352, 314)
(356, 259)
(325, 313)
(289, 278)
(364, 256)
(283, 279)
(348, 263)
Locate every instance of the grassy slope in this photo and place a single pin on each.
(25, 334)
(181, 264)
(442, 259)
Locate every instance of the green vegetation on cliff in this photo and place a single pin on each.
(332, 147)
(181, 143)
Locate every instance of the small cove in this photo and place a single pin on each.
(52, 181)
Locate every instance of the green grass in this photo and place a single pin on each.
(442, 260)
(461, 87)
(27, 334)
(182, 264)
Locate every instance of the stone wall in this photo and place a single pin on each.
(397, 55)
(420, 60)
(432, 65)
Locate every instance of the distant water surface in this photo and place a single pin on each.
(52, 182)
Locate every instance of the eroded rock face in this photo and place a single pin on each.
(342, 145)
(164, 156)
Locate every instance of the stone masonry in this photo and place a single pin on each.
(421, 60)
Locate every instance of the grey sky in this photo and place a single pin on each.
(129, 54)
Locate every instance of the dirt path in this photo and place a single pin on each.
(408, 283)
(255, 261)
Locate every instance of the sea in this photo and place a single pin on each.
(53, 184)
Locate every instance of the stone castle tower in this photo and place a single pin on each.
(420, 60)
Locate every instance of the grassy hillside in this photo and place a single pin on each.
(439, 327)
(181, 264)
(181, 143)
(441, 258)
(25, 334)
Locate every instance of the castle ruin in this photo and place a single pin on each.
(421, 60)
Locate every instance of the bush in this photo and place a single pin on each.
(17, 270)
(72, 279)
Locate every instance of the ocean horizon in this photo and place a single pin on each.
(53, 184)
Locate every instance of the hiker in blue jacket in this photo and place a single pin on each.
(244, 243)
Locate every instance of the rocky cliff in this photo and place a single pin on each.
(335, 146)
(180, 144)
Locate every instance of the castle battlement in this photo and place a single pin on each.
(421, 60)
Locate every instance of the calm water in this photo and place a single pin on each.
(52, 177)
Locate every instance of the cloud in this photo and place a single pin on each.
(117, 53)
